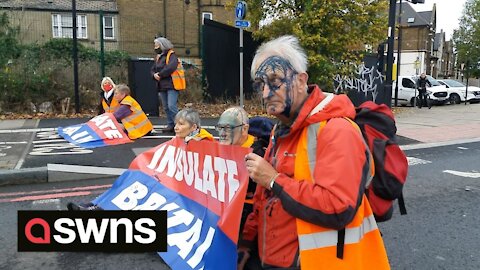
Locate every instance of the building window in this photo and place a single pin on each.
(62, 26)
(207, 15)
(108, 27)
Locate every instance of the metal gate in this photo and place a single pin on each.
(221, 61)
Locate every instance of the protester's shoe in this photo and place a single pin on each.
(83, 207)
(167, 130)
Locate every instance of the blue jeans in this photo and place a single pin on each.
(169, 103)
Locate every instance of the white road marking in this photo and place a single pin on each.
(22, 158)
(84, 169)
(462, 148)
(50, 141)
(27, 130)
(3, 143)
(417, 161)
(46, 201)
(463, 174)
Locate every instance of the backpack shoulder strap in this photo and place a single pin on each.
(370, 156)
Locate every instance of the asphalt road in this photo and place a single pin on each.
(441, 229)
(49, 198)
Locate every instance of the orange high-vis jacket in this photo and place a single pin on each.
(137, 123)
(178, 76)
(112, 107)
(362, 245)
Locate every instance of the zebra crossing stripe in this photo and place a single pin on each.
(417, 161)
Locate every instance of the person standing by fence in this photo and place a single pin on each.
(162, 73)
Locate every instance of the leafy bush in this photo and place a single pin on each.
(9, 47)
(45, 73)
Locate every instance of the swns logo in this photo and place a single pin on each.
(105, 231)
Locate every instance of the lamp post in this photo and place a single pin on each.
(391, 36)
(390, 42)
(399, 50)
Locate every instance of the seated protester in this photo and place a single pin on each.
(108, 103)
(130, 114)
(233, 128)
(187, 126)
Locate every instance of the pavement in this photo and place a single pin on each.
(32, 152)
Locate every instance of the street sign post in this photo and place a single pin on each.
(240, 13)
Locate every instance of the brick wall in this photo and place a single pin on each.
(415, 39)
(142, 20)
(36, 27)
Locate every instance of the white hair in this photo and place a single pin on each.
(109, 80)
(164, 43)
(287, 47)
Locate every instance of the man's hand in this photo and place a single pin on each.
(156, 76)
(243, 256)
(260, 170)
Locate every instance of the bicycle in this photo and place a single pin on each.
(427, 98)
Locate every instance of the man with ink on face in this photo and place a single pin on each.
(233, 129)
(310, 210)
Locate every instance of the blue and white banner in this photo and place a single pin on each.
(202, 185)
(99, 131)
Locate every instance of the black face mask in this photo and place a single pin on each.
(158, 51)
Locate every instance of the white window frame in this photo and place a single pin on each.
(207, 13)
(110, 27)
(82, 32)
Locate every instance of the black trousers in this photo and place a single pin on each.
(422, 94)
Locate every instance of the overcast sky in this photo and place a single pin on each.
(448, 14)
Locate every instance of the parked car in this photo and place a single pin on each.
(407, 90)
(457, 91)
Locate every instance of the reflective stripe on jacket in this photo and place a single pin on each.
(361, 247)
(112, 107)
(137, 123)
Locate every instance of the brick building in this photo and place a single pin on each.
(422, 49)
(42, 20)
(128, 25)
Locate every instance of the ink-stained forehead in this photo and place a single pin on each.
(230, 117)
(273, 64)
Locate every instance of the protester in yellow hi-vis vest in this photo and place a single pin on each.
(310, 210)
(129, 112)
(169, 76)
(108, 103)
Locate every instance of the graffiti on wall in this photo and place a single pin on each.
(367, 80)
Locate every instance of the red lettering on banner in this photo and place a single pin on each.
(218, 178)
(107, 124)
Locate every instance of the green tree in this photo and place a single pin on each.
(467, 38)
(334, 33)
(8, 41)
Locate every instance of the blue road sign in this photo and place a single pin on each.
(242, 24)
(241, 10)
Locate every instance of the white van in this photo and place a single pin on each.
(407, 90)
